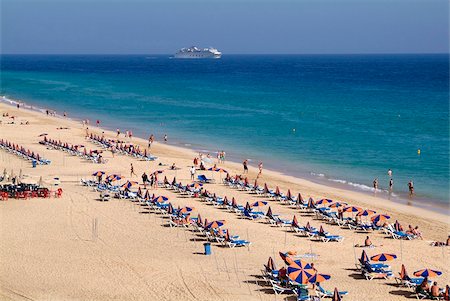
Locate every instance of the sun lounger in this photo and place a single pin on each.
(323, 293)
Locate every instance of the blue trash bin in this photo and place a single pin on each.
(207, 246)
(34, 162)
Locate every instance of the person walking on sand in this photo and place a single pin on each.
(132, 170)
(260, 166)
(245, 164)
(150, 141)
(144, 179)
(192, 171)
(411, 188)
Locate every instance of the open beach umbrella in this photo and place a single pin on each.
(427, 273)
(379, 218)
(336, 296)
(128, 184)
(98, 173)
(298, 273)
(259, 204)
(319, 278)
(337, 204)
(352, 209)
(324, 202)
(286, 258)
(113, 177)
(383, 257)
(366, 212)
(215, 224)
(186, 209)
(364, 257)
(43, 134)
(196, 185)
(271, 264)
(160, 199)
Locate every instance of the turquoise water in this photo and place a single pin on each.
(354, 116)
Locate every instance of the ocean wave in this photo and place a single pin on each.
(318, 174)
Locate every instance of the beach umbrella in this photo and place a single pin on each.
(43, 134)
(128, 184)
(215, 224)
(233, 202)
(196, 185)
(366, 212)
(319, 278)
(403, 273)
(269, 212)
(277, 190)
(259, 204)
(170, 208)
(147, 195)
(186, 209)
(427, 273)
(383, 257)
(266, 189)
(284, 256)
(295, 222)
(298, 273)
(174, 181)
(160, 199)
(337, 204)
(321, 230)
(310, 203)
(379, 218)
(247, 207)
(364, 257)
(300, 198)
(308, 226)
(324, 202)
(271, 264)
(98, 173)
(212, 168)
(288, 194)
(336, 296)
(158, 171)
(352, 209)
(139, 193)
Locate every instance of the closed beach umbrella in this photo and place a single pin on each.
(383, 257)
(288, 194)
(139, 192)
(259, 204)
(403, 273)
(379, 218)
(269, 212)
(170, 208)
(247, 207)
(215, 224)
(295, 222)
(336, 296)
(427, 273)
(277, 190)
(300, 199)
(364, 257)
(321, 230)
(310, 203)
(324, 202)
(271, 264)
(147, 195)
(319, 278)
(266, 189)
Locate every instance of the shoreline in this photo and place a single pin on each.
(406, 206)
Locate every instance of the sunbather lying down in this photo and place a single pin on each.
(441, 243)
(367, 244)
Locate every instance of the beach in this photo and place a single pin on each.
(50, 251)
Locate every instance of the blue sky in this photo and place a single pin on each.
(247, 26)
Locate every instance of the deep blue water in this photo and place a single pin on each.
(354, 116)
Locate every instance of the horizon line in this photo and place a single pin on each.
(171, 54)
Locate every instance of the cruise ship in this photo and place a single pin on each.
(197, 53)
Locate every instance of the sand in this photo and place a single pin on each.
(49, 250)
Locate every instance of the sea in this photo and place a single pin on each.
(341, 120)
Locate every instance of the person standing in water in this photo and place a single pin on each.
(165, 137)
(411, 188)
(375, 184)
(389, 173)
(391, 184)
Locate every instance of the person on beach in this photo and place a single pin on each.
(130, 134)
(435, 291)
(87, 132)
(441, 243)
(411, 188)
(126, 134)
(389, 173)
(173, 167)
(260, 166)
(118, 133)
(165, 137)
(423, 288)
(391, 184)
(150, 141)
(98, 123)
(155, 183)
(375, 184)
(245, 164)
(65, 114)
(144, 179)
(223, 156)
(113, 150)
(132, 170)
(192, 171)
(416, 232)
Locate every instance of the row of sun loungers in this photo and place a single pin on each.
(74, 150)
(122, 148)
(22, 152)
